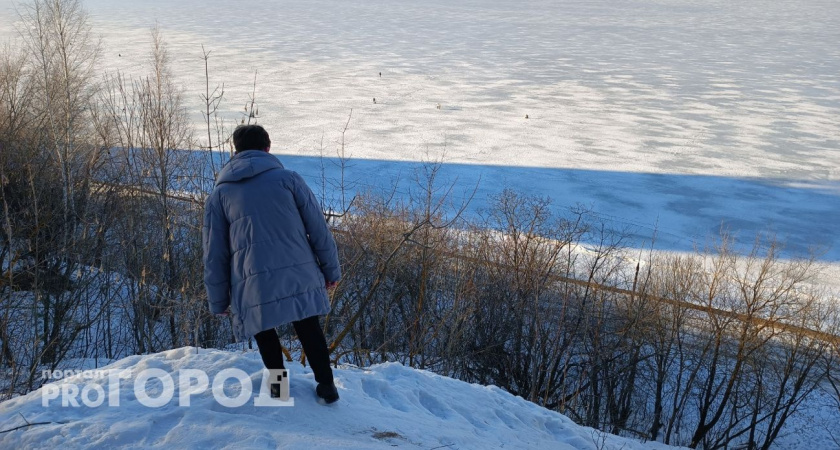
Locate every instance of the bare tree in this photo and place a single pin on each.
(50, 155)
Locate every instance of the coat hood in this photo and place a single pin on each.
(247, 164)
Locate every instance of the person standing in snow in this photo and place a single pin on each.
(269, 257)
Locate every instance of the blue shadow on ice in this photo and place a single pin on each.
(683, 210)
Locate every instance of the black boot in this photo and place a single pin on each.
(328, 392)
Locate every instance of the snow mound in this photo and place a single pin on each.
(384, 406)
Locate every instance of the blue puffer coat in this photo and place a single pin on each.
(267, 248)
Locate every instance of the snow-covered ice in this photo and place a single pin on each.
(685, 116)
(383, 406)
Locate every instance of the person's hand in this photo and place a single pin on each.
(331, 284)
(224, 313)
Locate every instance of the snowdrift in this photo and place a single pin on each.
(384, 406)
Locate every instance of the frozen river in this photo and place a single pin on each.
(683, 116)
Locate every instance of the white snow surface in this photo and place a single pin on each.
(383, 406)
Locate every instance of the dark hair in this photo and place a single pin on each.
(250, 137)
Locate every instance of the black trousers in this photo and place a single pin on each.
(314, 345)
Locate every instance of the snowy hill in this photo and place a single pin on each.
(384, 406)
